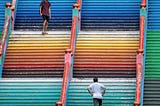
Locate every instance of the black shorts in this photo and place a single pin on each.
(45, 18)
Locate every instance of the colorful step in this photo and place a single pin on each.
(29, 92)
(153, 15)
(121, 15)
(151, 92)
(28, 16)
(153, 55)
(152, 69)
(120, 92)
(35, 55)
(106, 55)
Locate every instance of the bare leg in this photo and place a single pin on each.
(46, 25)
(43, 30)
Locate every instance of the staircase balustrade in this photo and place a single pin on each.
(14, 5)
(5, 35)
(140, 53)
(69, 55)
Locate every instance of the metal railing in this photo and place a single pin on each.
(140, 55)
(69, 54)
(14, 8)
(5, 35)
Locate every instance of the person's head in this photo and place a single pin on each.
(95, 79)
(45, 0)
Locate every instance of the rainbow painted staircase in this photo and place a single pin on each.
(112, 58)
(35, 56)
(152, 63)
(39, 59)
(108, 55)
(33, 66)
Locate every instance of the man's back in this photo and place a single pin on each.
(97, 89)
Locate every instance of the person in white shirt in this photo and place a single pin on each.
(97, 90)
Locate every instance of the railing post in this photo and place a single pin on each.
(8, 13)
(143, 4)
(13, 14)
(14, 8)
(139, 70)
(8, 9)
(76, 12)
(68, 59)
(59, 104)
(79, 14)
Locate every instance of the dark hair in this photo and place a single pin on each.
(44, 0)
(95, 79)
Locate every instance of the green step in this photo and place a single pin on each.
(120, 92)
(29, 92)
(152, 70)
(152, 92)
(152, 64)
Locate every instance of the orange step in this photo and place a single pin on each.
(35, 55)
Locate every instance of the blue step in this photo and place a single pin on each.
(154, 14)
(110, 15)
(28, 17)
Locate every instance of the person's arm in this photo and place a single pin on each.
(40, 10)
(104, 90)
(89, 90)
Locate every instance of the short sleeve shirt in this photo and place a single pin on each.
(97, 89)
(45, 8)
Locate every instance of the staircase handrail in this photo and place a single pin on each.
(69, 55)
(14, 8)
(80, 3)
(5, 35)
(143, 4)
(79, 6)
(140, 54)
